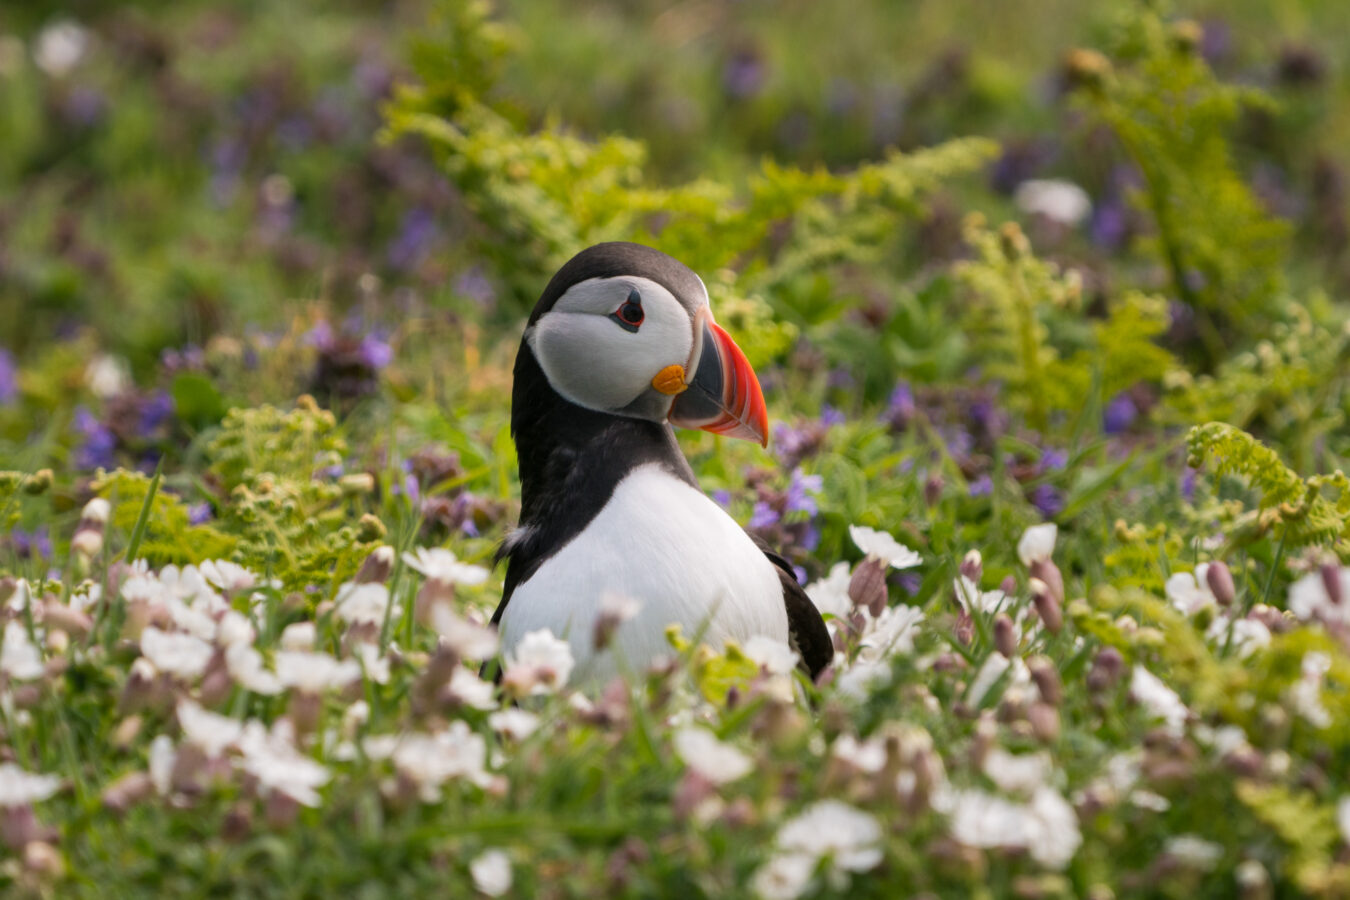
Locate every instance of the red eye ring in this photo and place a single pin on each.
(630, 314)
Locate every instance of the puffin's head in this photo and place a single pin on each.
(625, 329)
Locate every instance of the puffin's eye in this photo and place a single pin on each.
(629, 315)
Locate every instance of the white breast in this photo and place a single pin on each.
(663, 544)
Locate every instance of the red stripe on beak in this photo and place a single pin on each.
(725, 396)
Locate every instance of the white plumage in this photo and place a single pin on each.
(672, 550)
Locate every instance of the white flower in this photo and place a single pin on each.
(209, 731)
(160, 762)
(701, 751)
(970, 596)
(20, 788)
(1308, 598)
(299, 636)
(849, 837)
(20, 658)
(866, 756)
(272, 759)
(1194, 851)
(1059, 201)
(773, 656)
(995, 664)
(97, 510)
(428, 761)
(1160, 700)
(1189, 591)
(469, 641)
(227, 576)
(440, 565)
(245, 665)
(1037, 543)
(830, 594)
(469, 690)
(1343, 818)
(1248, 635)
(312, 673)
(863, 677)
(182, 655)
(58, 49)
(362, 604)
(517, 724)
(375, 666)
(784, 877)
(881, 545)
(234, 628)
(1017, 773)
(890, 633)
(22, 596)
(1046, 827)
(491, 872)
(1305, 696)
(540, 660)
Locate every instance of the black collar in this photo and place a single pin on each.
(571, 459)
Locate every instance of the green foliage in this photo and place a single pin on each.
(293, 520)
(1015, 299)
(169, 536)
(1295, 510)
(1173, 116)
(543, 195)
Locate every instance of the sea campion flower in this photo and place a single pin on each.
(848, 839)
(184, 656)
(440, 565)
(884, 547)
(703, 753)
(311, 672)
(1189, 592)
(428, 761)
(211, 732)
(1160, 700)
(517, 724)
(491, 872)
(1323, 595)
(19, 790)
(1045, 826)
(88, 538)
(20, 659)
(539, 664)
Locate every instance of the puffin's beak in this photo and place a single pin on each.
(723, 396)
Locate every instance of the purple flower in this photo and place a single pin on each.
(800, 573)
(320, 336)
(800, 489)
(722, 497)
(743, 74)
(810, 538)
(200, 513)
(982, 486)
(412, 489)
(474, 284)
(414, 239)
(1119, 414)
(1047, 499)
(1188, 480)
(909, 582)
(376, 352)
(155, 411)
(1052, 459)
(763, 516)
(35, 544)
(829, 416)
(95, 449)
(900, 408)
(9, 378)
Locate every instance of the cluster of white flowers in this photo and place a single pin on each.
(716, 761)
(1045, 825)
(830, 832)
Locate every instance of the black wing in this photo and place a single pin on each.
(807, 633)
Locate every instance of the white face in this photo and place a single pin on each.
(605, 339)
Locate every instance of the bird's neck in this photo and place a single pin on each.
(572, 458)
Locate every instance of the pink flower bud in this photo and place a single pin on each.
(1047, 606)
(867, 587)
(1005, 635)
(377, 567)
(972, 566)
(1047, 572)
(1331, 580)
(1220, 581)
(1046, 676)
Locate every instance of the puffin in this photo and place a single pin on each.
(621, 348)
